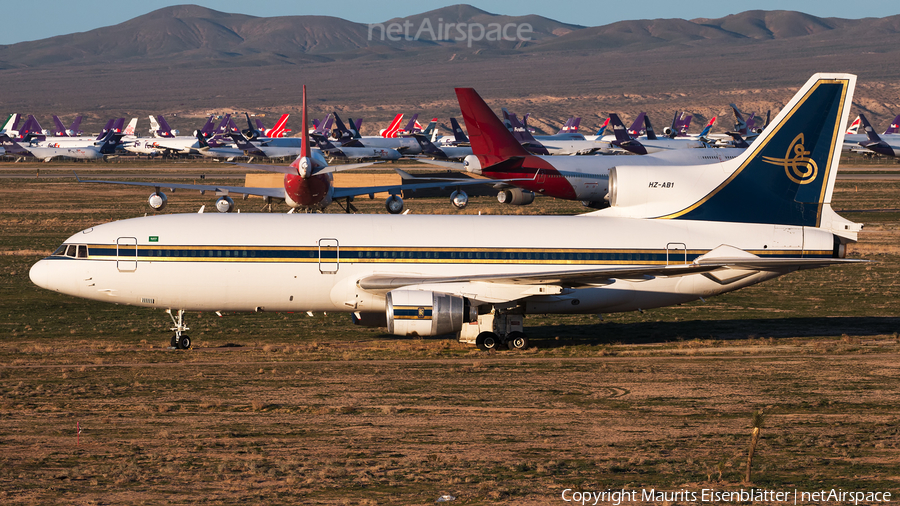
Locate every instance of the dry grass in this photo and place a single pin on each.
(273, 408)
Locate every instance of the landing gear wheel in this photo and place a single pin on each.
(174, 342)
(487, 341)
(517, 341)
(184, 342)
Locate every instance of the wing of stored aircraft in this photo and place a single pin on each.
(245, 190)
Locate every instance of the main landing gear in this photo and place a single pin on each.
(495, 331)
(180, 340)
(487, 341)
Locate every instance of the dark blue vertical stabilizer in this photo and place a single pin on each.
(787, 175)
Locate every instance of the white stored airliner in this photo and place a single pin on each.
(672, 235)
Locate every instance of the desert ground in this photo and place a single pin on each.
(295, 409)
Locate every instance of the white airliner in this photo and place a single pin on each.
(672, 235)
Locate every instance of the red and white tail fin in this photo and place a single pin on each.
(391, 130)
(129, 130)
(279, 129)
(854, 127)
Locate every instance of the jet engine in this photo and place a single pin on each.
(224, 204)
(393, 204)
(668, 131)
(424, 313)
(158, 201)
(515, 197)
(472, 164)
(459, 199)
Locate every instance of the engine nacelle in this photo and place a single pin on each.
(224, 204)
(515, 197)
(668, 131)
(158, 201)
(459, 199)
(472, 164)
(425, 313)
(393, 204)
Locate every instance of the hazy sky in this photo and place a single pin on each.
(33, 21)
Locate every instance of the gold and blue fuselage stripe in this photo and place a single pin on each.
(376, 254)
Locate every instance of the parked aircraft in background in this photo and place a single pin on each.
(445, 152)
(278, 130)
(853, 140)
(59, 130)
(499, 155)
(875, 143)
(354, 153)
(651, 144)
(673, 235)
(92, 151)
(308, 183)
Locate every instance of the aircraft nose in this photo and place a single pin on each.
(40, 274)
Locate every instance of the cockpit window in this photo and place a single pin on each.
(72, 250)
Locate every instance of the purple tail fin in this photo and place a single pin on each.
(520, 133)
(637, 127)
(222, 129)
(164, 129)
(119, 125)
(895, 126)
(411, 126)
(566, 128)
(107, 128)
(207, 129)
(623, 140)
(324, 126)
(231, 127)
(75, 129)
(32, 126)
(684, 124)
(260, 125)
(575, 124)
(59, 130)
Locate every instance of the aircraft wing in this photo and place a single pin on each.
(287, 169)
(568, 277)
(246, 190)
(283, 169)
(441, 163)
(353, 191)
(505, 287)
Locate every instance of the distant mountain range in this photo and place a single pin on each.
(190, 60)
(206, 37)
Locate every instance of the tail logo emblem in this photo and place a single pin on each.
(798, 166)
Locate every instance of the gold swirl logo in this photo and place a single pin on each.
(798, 166)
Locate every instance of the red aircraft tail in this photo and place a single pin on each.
(487, 134)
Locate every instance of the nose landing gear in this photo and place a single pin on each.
(180, 340)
